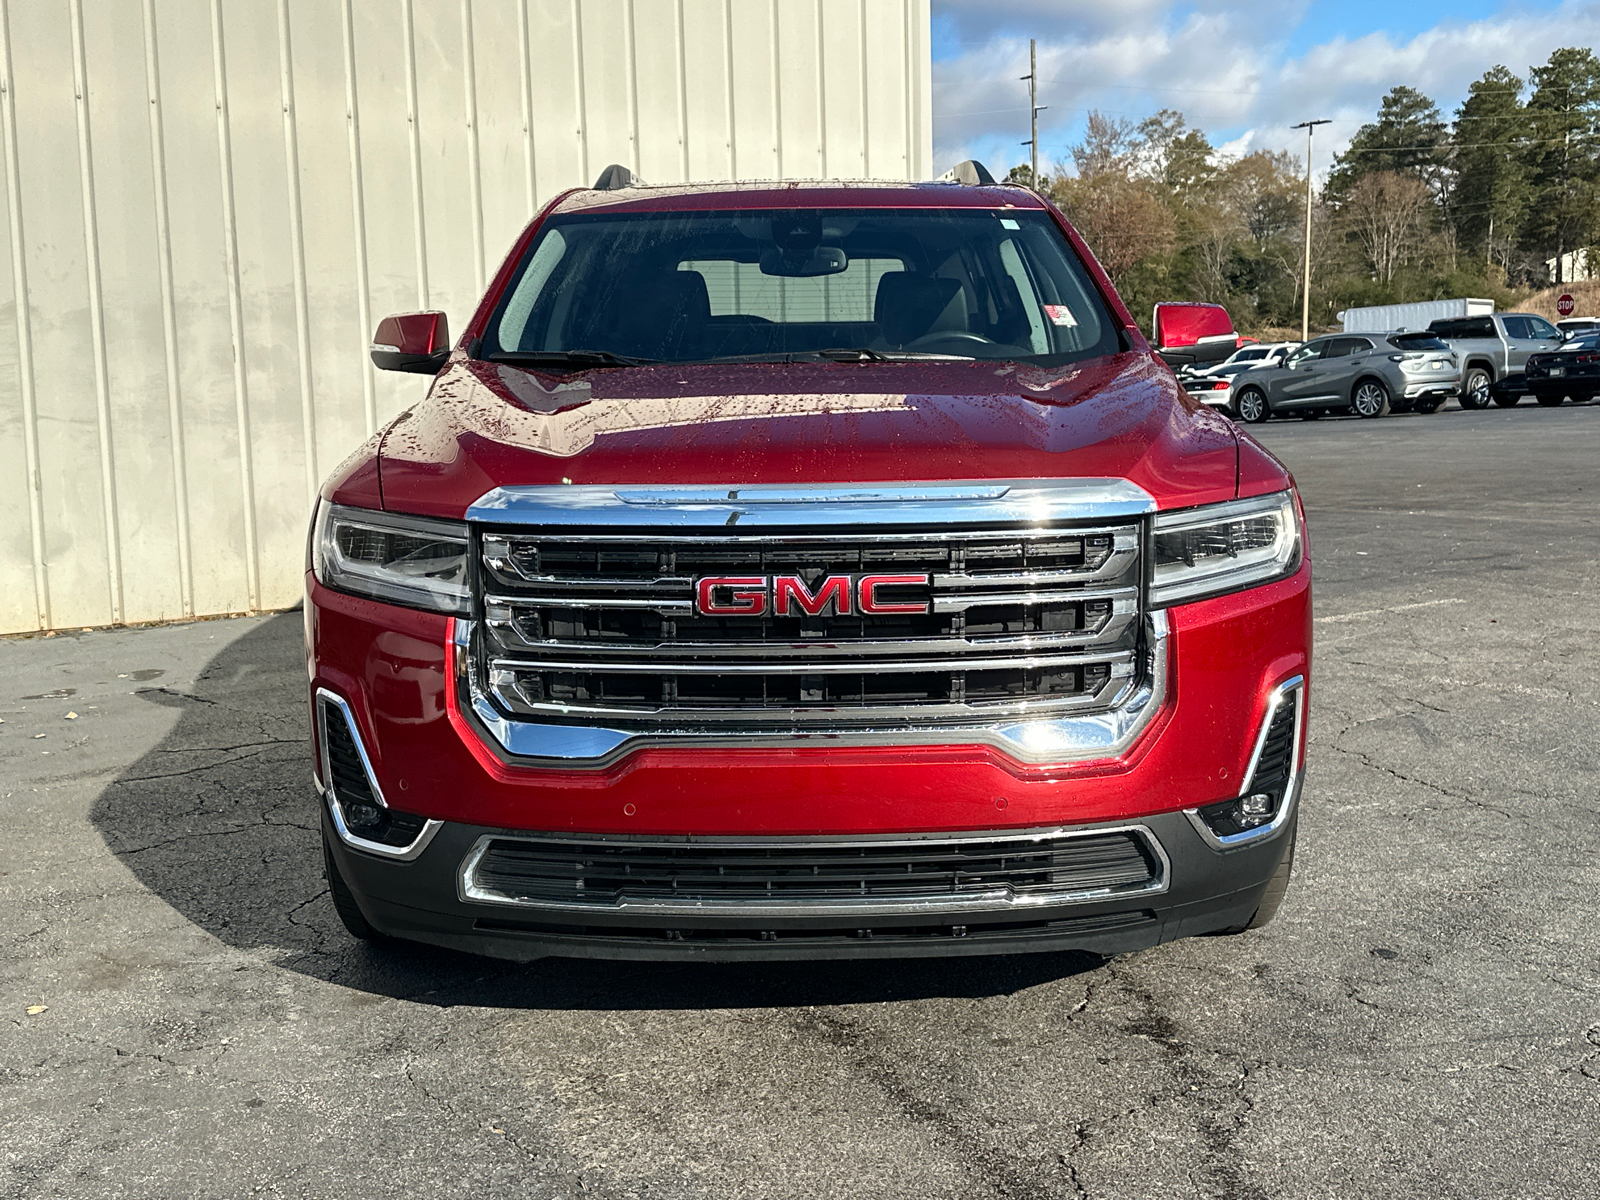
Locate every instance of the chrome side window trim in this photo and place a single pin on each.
(1045, 740)
(816, 508)
(325, 700)
(999, 899)
(1290, 691)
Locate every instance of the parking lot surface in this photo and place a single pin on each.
(181, 1013)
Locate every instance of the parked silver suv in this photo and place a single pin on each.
(1369, 374)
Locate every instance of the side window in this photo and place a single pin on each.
(514, 321)
(1344, 347)
(1017, 272)
(1517, 327)
(1305, 354)
(1542, 328)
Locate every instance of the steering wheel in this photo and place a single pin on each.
(949, 335)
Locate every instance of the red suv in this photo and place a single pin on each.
(804, 570)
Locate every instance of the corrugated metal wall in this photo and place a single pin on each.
(209, 203)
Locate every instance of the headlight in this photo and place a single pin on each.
(414, 561)
(1219, 548)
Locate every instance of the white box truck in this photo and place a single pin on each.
(1400, 318)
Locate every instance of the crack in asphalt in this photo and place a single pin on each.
(1001, 1173)
(1367, 761)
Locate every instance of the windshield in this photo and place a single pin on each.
(709, 286)
(1421, 340)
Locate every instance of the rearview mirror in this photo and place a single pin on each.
(418, 342)
(824, 260)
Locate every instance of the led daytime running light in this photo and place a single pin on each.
(1221, 548)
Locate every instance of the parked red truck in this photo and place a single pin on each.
(804, 570)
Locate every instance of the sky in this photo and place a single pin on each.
(1242, 70)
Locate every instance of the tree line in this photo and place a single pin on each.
(1416, 208)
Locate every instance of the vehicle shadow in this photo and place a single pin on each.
(220, 820)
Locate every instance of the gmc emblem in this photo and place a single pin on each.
(789, 596)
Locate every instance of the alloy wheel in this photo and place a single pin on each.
(1253, 406)
(1370, 400)
(1476, 393)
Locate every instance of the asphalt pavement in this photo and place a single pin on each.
(181, 1013)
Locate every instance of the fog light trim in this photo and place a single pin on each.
(1290, 691)
(332, 706)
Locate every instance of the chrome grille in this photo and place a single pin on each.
(1024, 622)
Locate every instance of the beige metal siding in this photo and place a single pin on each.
(209, 203)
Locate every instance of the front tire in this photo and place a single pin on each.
(344, 901)
(1252, 406)
(1277, 886)
(1549, 399)
(1508, 399)
(1370, 399)
(1475, 389)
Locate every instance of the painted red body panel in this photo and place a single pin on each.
(487, 425)
(390, 663)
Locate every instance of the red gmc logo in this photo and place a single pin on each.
(789, 596)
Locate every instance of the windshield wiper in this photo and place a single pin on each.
(864, 354)
(569, 358)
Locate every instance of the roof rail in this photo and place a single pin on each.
(972, 173)
(616, 176)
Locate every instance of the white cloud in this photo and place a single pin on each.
(1211, 61)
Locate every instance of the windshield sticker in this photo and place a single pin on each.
(1060, 314)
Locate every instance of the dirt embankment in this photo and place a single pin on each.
(1586, 294)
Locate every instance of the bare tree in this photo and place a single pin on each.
(1107, 147)
(1387, 213)
(1268, 191)
(1121, 219)
(1217, 230)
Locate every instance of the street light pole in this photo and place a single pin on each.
(1305, 298)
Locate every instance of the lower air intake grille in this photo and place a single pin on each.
(604, 874)
(363, 812)
(347, 774)
(1277, 752)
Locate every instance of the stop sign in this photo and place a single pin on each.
(1565, 304)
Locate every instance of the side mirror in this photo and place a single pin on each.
(418, 342)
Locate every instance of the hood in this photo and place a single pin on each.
(485, 425)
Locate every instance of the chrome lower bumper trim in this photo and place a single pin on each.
(992, 900)
(1042, 740)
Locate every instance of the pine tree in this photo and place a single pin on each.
(1408, 137)
(1489, 198)
(1564, 155)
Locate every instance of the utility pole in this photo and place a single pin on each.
(1034, 109)
(1305, 299)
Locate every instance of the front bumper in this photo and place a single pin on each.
(1204, 890)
